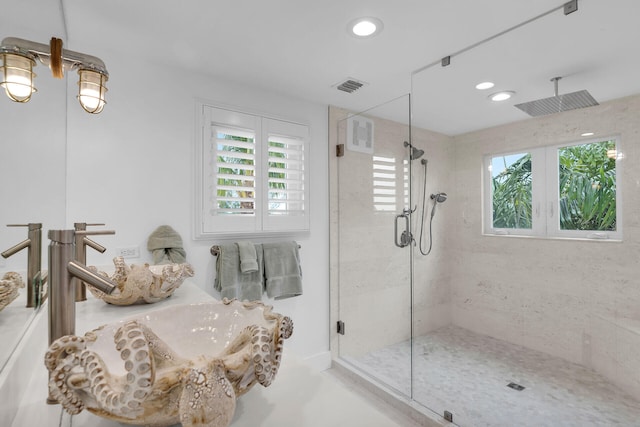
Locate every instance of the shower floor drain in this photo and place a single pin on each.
(515, 386)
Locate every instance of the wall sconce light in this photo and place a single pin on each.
(19, 57)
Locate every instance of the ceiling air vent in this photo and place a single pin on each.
(350, 85)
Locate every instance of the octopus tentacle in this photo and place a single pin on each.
(139, 283)
(61, 348)
(59, 388)
(159, 387)
(9, 285)
(121, 271)
(267, 352)
(207, 398)
(85, 369)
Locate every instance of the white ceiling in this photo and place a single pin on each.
(302, 48)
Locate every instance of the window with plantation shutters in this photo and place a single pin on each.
(286, 184)
(235, 171)
(253, 174)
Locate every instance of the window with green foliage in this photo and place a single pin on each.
(511, 189)
(252, 174)
(560, 191)
(587, 186)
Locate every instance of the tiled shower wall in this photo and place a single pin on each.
(375, 295)
(579, 300)
(576, 299)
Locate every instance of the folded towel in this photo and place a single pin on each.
(282, 270)
(165, 245)
(231, 282)
(248, 257)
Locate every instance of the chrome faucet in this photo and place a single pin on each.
(62, 269)
(82, 241)
(35, 279)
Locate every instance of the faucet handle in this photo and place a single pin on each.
(83, 225)
(94, 232)
(31, 225)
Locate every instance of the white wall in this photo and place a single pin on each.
(32, 165)
(131, 167)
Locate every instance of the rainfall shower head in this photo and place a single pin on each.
(558, 103)
(416, 153)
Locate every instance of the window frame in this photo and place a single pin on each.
(207, 224)
(545, 194)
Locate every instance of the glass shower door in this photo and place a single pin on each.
(374, 242)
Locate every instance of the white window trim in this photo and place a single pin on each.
(260, 224)
(545, 197)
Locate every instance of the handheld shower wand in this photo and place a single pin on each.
(437, 198)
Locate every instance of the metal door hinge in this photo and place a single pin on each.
(448, 416)
(570, 7)
(340, 150)
(340, 327)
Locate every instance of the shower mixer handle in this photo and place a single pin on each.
(408, 211)
(405, 237)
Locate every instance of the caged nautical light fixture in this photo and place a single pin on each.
(19, 57)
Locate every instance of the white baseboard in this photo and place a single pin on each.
(319, 362)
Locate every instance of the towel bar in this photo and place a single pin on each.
(215, 250)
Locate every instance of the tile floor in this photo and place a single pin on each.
(467, 374)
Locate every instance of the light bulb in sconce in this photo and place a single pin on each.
(18, 76)
(92, 90)
(19, 56)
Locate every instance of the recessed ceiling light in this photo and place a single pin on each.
(501, 96)
(365, 27)
(587, 134)
(484, 85)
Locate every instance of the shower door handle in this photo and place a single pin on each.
(405, 238)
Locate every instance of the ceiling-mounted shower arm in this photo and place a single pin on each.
(555, 85)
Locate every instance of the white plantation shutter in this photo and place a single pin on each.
(230, 170)
(235, 160)
(253, 174)
(385, 183)
(286, 185)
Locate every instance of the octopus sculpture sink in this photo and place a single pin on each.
(9, 285)
(183, 364)
(139, 284)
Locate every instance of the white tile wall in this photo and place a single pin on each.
(548, 294)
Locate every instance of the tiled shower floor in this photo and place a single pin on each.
(467, 374)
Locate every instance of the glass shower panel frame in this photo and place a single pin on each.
(374, 266)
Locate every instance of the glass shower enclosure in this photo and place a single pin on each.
(372, 237)
(492, 327)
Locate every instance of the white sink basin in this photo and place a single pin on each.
(185, 363)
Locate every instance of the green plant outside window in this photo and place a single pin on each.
(586, 188)
(511, 190)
